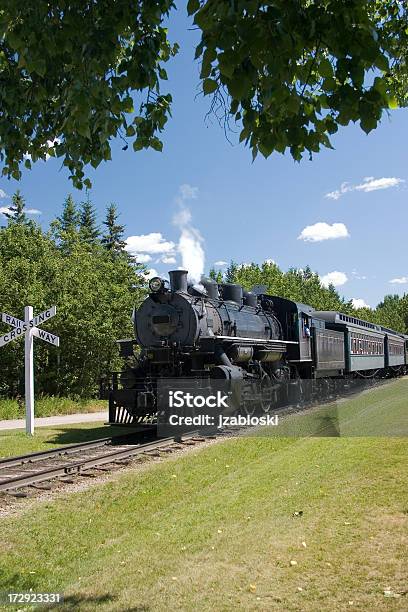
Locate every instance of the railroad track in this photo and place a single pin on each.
(38, 470)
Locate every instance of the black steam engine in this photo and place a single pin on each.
(212, 331)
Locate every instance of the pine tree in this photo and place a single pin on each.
(66, 227)
(216, 275)
(88, 228)
(113, 239)
(231, 271)
(16, 212)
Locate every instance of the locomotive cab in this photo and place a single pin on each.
(296, 321)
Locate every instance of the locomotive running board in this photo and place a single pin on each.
(251, 340)
(279, 346)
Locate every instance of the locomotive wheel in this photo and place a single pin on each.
(249, 400)
(268, 394)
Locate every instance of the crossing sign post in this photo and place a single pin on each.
(28, 328)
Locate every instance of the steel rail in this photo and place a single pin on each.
(29, 479)
(66, 450)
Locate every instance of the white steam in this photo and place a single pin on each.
(190, 244)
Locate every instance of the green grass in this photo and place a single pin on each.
(50, 406)
(16, 442)
(380, 411)
(293, 524)
(215, 531)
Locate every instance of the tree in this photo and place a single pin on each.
(216, 275)
(95, 295)
(390, 312)
(293, 71)
(230, 272)
(289, 71)
(68, 71)
(16, 213)
(88, 229)
(66, 227)
(113, 239)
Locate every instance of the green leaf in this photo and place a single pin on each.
(209, 86)
(325, 68)
(368, 124)
(227, 64)
(380, 85)
(265, 148)
(192, 6)
(83, 130)
(382, 63)
(393, 103)
(239, 87)
(38, 66)
(156, 144)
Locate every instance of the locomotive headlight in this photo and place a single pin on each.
(156, 284)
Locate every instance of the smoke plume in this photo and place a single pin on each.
(190, 244)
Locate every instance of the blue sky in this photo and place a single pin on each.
(209, 194)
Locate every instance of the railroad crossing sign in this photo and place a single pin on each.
(28, 328)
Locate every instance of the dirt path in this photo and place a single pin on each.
(56, 420)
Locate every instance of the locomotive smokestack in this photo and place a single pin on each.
(178, 280)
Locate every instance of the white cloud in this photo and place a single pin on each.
(150, 273)
(335, 195)
(334, 278)
(375, 184)
(166, 259)
(402, 280)
(220, 263)
(142, 257)
(145, 247)
(3, 194)
(359, 303)
(49, 145)
(190, 244)
(369, 184)
(28, 211)
(357, 276)
(149, 243)
(323, 231)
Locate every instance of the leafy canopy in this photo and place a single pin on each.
(68, 70)
(292, 71)
(288, 72)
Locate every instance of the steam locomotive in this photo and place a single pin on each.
(211, 331)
